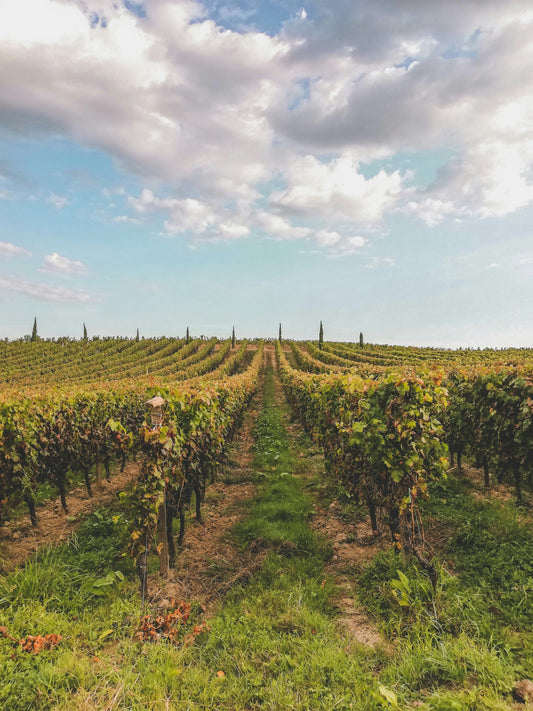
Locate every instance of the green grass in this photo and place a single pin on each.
(466, 646)
(275, 638)
(60, 591)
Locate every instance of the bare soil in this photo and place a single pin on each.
(501, 492)
(354, 546)
(19, 539)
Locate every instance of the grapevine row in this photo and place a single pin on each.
(383, 438)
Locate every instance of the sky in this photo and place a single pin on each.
(364, 163)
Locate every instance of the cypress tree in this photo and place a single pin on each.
(279, 337)
(137, 335)
(233, 338)
(361, 342)
(34, 335)
(321, 336)
(85, 336)
(187, 337)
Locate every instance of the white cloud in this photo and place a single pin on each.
(416, 76)
(278, 227)
(176, 97)
(347, 246)
(186, 215)
(126, 219)
(62, 265)
(337, 245)
(337, 190)
(192, 216)
(430, 210)
(379, 262)
(326, 238)
(47, 292)
(58, 201)
(489, 181)
(233, 230)
(220, 117)
(10, 250)
(147, 201)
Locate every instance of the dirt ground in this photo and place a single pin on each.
(501, 492)
(354, 546)
(19, 539)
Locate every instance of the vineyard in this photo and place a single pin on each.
(307, 525)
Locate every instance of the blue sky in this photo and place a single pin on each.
(174, 164)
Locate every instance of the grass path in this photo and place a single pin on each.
(276, 644)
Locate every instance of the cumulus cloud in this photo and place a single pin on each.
(279, 227)
(238, 123)
(337, 189)
(10, 250)
(57, 264)
(188, 215)
(378, 32)
(430, 210)
(347, 246)
(47, 292)
(232, 230)
(176, 97)
(491, 180)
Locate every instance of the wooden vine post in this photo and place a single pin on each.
(156, 417)
(98, 470)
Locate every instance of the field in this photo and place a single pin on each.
(298, 525)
